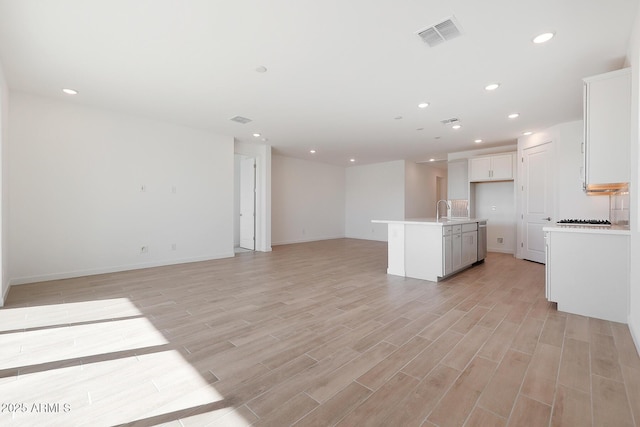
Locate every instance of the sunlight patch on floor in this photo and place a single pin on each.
(12, 319)
(79, 364)
(70, 342)
(109, 392)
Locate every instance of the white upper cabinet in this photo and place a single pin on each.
(497, 167)
(607, 127)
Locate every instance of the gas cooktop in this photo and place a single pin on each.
(586, 222)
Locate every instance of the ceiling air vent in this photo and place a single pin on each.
(441, 32)
(240, 119)
(450, 121)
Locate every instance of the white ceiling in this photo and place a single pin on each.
(338, 72)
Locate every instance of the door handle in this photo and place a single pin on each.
(547, 218)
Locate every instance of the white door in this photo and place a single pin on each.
(537, 200)
(248, 203)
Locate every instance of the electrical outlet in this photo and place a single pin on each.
(144, 249)
(174, 246)
(500, 240)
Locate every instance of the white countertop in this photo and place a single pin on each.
(430, 221)
(614, 229)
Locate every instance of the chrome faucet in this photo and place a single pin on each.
(438, 208)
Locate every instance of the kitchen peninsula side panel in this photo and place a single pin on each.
(588, 272)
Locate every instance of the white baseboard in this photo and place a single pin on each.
(635, 334)
(4, 295)
(114, 269)
(307, 240)
(502, 251)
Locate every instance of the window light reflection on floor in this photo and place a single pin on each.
(99, 362)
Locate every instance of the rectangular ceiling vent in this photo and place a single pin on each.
(450, 121)
(439, 33)
(240, 119)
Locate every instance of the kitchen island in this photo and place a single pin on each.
(430, 248)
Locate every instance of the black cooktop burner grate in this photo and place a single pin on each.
(602, 222)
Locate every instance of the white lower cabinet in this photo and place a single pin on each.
(587, 273)
(459, 247)
(469, 244)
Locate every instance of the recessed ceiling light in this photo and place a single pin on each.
(256, 135)
(312, 151)
(261, 69)
(352, 160)
(456, 127)
(478, 141)
(514, 115)
(423, 105)
(432, 160)
(492, 86)
(542, 38)
(527, 133)
(70, 91)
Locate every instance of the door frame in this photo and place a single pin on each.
(248, 162)
(262, 154)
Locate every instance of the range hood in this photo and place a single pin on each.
(607, 189)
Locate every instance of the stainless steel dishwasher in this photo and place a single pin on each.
(482, 240)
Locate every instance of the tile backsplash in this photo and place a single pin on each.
(459, 208)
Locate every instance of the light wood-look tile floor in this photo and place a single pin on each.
(312, 334)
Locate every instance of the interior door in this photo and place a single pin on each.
(537, 200)
(248, 203)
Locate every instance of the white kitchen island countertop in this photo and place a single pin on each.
(429, 221)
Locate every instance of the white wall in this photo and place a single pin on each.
(76, 205)
(501, 222)
(421, 189)
(373, 192)
(4, 186)
(495, 202)
(570, 201)
(315, 201)
(308, 201)
(480, 152)
(634, 297)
